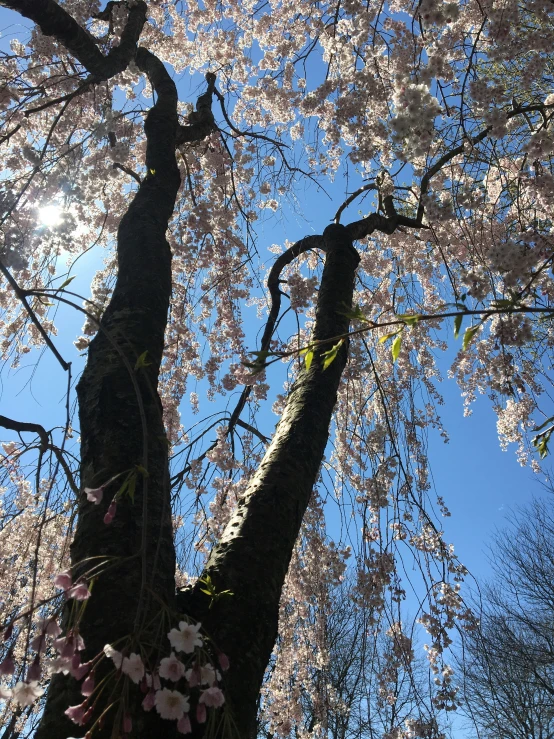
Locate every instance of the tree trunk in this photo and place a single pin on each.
(122, 431)
(253, 555)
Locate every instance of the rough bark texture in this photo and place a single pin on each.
(253, 555)
(122, 428)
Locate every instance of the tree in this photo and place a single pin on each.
(360, 688)
(508, 676)
(459, 229)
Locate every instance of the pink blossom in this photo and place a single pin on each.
(186, 637)
(115, 656)
(171, 668)
(205, 675)
(127, 724)
(38, 643)
(201, 713)
(133, 667)
(153, 681)
(5, 693)
(149, 701)
(68, 645)
(87, 688)
(110, 513)
(171, 704)
(52, 627)
(25, 694)
(223, 661)
(48, 626)
(63, 580)
(193, 676)
(77, 669)
(79, 591)
(34, 671)
(76, 714)
(58, 664)
(183, 725)
(212, 697)
(94, 495)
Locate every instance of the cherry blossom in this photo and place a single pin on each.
(439, 112)
(25, 694)
(132, 666)
(171, 704)
(212, 697)
(94, 495)
(186, 638)
(171, 668)
(114, 655)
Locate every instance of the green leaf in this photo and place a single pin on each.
(540, 442)
(395, 348)
(67, 282)
(468, 335)
(459, 306)
(458, 324)
(259, 364)
(210, 590)
(410, 319)
(143, 471)
(504, 303)
(386, 337)
(261, 355)
(141, 361)
(132, 487)
(122, 490)
(355, 314)
(308, 358)
(331, 355)
(548, 420)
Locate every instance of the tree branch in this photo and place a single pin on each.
(22, 427)
(33, 316)
(56, 22)
(202, 121)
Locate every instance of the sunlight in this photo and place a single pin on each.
(50, 215)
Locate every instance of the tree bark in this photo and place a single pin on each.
(122, 429)
(253, 555)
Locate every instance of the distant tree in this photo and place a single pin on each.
(508, 662)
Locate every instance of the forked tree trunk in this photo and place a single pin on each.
(122, 434)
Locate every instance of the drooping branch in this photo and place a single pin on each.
(22, 296)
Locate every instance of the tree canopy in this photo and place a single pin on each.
(431, 119)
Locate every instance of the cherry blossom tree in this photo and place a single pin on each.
(438, 117)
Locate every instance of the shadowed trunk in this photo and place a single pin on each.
(122, 431)
(253, 555)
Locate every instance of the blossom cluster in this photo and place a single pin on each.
(414, 122)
